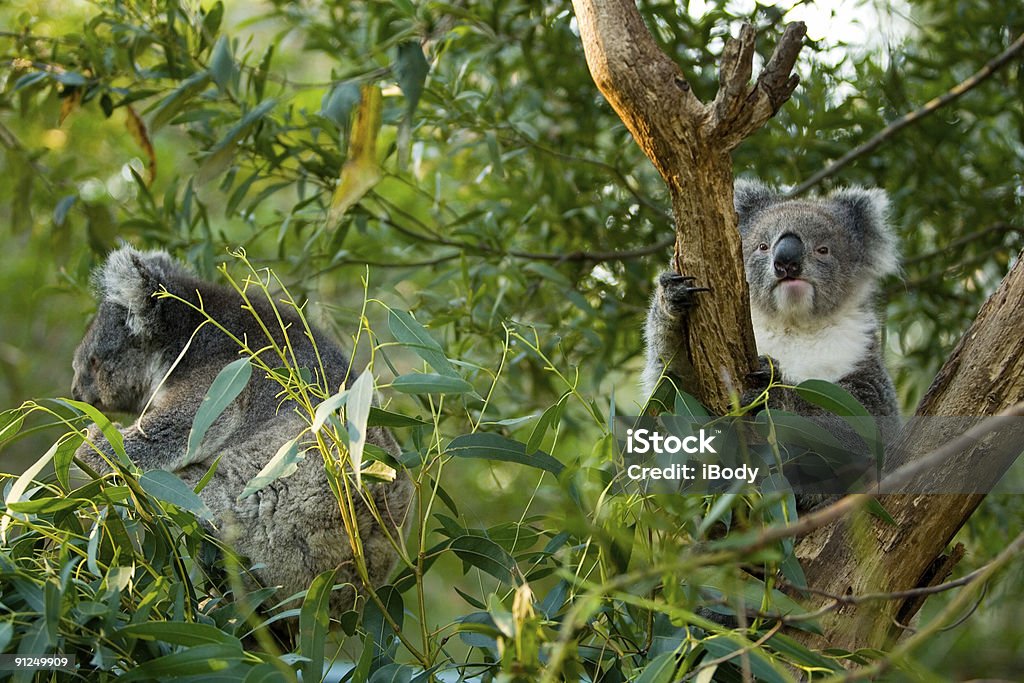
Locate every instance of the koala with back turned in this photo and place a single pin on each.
(292, 529)
(813, 268)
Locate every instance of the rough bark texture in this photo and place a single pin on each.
(689, 143)
(984, 376)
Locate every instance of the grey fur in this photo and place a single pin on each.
(824, 327)
(292, 527)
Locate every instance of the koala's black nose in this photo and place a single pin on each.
(788, 256)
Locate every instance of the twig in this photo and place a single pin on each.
(899, 124)
(899, 477)
(733, 655)
(958, 603)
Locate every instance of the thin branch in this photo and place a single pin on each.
(733, 655)
(899, 124)
(894, 595)
(999, 227)
(899, 477)
(960, 602)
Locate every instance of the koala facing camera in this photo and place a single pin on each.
(813, 267)
(292, 529)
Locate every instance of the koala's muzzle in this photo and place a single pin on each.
(788, 256)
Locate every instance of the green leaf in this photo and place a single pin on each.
(662, 669)
(377, 627)
(222, 65)
(11, 422)
(52, 599)
(211, 22)
(411, 69)
(328, 407)
(267, 673)
(409, 333)
(313, 625)
(169, 488)
(426, 383)
(356, 414)
(838, 401)
(176, 101)
(338, 102)
(60, 213)
(548, 420)
(179, 633)
(228, 384)
(21, 485)
(689, 406)
(110, 432)
(495, 447)
(195, 661)
(762, 668)
(219, 157)
(362, 668)
(258, 80)
(285, 463)
(386, 418)
(63, 458)
(201, 484)
(831, 397)
(486, 555)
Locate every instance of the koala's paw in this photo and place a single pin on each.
(676, 293)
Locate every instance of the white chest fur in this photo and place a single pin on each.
(828, 352)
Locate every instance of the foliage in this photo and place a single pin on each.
(511, 229)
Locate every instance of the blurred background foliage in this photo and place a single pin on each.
(510, 197)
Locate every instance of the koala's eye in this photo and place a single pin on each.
(94, 362)
(763, 246)
(822, 250)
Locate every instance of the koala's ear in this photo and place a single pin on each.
(752, 196)
(129, 278)
(867, 209)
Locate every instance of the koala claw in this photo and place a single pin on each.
(676, 293)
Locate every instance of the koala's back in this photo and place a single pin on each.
(292, 529)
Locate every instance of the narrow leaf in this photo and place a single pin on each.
(409, 333)
(328, 407)
(356, 413)
(427, 383)
(313, 623)
(21, 485)
(178, 633)
(169, 488)
(224, 389)
(360, 172)
(411, 69)
(486, 555)
(284, 464)
(494, 447)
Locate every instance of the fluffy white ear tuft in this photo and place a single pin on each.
(129, 278)
(868, 208)
(752, 196)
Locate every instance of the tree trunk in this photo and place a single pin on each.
(984, 376)
(689, 143)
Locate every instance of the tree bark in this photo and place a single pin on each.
(984, 376)
(689, 142)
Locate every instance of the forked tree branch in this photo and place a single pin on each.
(689, 143)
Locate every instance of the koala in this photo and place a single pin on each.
(292, 529)
(813, 268)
